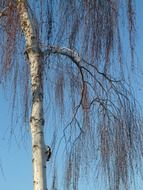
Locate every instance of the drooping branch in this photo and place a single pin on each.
(76, 58)
(115, 107)
(78, 61)
(83, 69)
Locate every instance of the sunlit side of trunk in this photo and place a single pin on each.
(34, 56)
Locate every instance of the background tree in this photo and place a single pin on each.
(72, 54)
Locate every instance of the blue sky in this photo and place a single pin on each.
(15, 153)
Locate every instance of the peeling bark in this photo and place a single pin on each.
(37, 119)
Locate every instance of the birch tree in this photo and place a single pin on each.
(71, 52)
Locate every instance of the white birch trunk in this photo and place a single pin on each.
(36, 121)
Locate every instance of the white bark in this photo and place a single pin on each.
(74, 56)
(36, 121)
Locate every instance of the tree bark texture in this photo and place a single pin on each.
(37, 119)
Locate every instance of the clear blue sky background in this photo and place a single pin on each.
(15, 154)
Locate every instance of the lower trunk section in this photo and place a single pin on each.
(39, 161)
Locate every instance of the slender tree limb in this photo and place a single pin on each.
(76, 58)
(101, 73)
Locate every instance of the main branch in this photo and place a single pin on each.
(76, 58)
